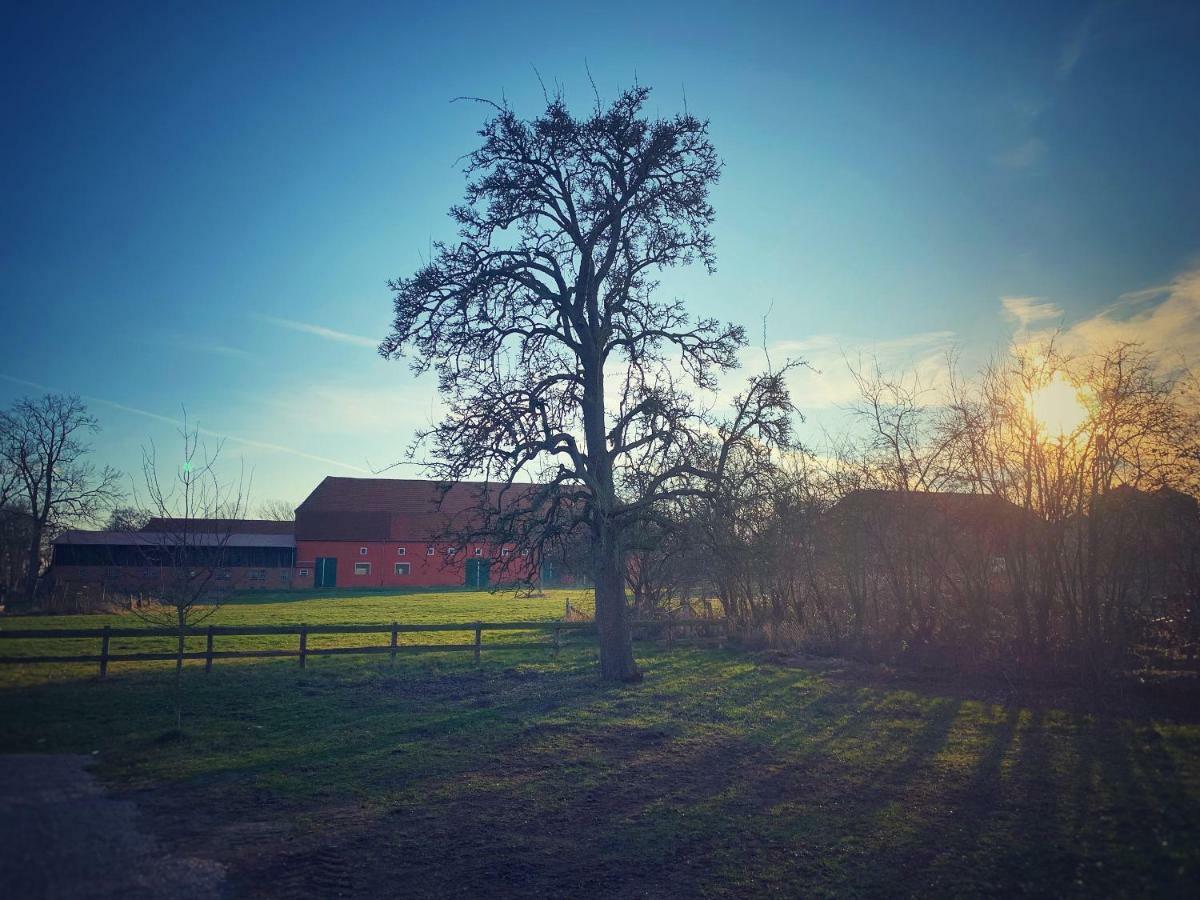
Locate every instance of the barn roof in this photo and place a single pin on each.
(220, 526)
(341, 508)
(172, 538)
(973, 512)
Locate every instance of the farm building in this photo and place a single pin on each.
(246, 553)
(384, 532)
(348, 533)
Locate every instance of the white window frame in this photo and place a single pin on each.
(430, 551)
(361, 568)
(479, 551)
(303, 573)
(401, 551)
(362, 551)
(406, 567)
(506, 552)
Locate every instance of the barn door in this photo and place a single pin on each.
(477, 573)
(326, 571)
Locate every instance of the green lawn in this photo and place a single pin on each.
(294, 608)
(720, 775)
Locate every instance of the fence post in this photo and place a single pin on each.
(208, 651)
(303, 644)
(104, 652)
(393, 643)
(478, 639)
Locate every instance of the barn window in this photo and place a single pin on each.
(400, 551)
(505, 552)
(429, 551)
(362, 551)
(303, 573)
(479, 551)
(362, 568)
(450, 551)
(403, 568)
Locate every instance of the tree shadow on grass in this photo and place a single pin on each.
(715, 776)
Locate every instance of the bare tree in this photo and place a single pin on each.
(196, 510)
(127, 518)
(557, 358)
(43, 445)
(276, 510)
(14, 528)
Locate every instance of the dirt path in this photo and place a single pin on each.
(62, 836)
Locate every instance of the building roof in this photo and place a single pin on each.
(970, 512)
(172, 538)
(220, 526)
(395, 508)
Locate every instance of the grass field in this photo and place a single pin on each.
(721, 775)
(292, 608)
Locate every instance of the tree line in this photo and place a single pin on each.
(951, 525)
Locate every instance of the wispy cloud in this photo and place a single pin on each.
(321, 331)
(1075, 47)
(1164, 319)
(219, 435)
(363, 409)
(829, 382)
(184, 343)
(1030, 311)
(1024, 155)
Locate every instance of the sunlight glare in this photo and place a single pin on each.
(1056, 407)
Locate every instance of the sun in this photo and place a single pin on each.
(1056, 407)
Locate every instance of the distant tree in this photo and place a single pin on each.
(127, 518)
(14, 531)
(558, 359)
(43, 445)
(190, 552)
(276, 511)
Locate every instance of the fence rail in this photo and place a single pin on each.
(714, 631)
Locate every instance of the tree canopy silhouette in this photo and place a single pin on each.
(559, 360)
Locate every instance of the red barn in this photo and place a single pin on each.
(384, 532)
(348, 533)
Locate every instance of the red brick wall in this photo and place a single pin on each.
(438, 570)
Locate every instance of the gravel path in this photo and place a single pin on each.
(62, 836)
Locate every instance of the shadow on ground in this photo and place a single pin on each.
(719, 776)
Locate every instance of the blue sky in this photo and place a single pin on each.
(202, 206)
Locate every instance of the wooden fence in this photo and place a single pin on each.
(703, 630)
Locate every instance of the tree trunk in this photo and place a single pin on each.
(608, 554)
(179, 671)
(35, 566)
(612, 614)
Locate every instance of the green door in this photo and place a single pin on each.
(325, 574)
(477, 573)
